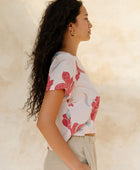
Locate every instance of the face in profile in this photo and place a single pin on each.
(82, 26)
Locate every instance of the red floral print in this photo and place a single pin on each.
(79, 70)
(49, 83)
(68, 85)
(76, 127)
(95, 105)
(67, 122)
(69, 104)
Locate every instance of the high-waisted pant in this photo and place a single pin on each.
(84, 149)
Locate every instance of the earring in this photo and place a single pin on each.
(73, 34)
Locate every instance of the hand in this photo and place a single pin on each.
(83, 167)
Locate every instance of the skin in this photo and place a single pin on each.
(81, 27)
(53, 98)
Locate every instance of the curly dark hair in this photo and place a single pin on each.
(52, 28)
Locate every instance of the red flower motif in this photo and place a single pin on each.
(68, 85)
(76, 127)
(69, 104)
(67, 122)
(95, 106)
(79, 70)
(49, 83)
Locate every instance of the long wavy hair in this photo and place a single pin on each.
(50, 35)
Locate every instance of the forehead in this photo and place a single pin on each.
(83, 11)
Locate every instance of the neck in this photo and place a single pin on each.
(70, 45)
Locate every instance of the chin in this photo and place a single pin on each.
(86, 39)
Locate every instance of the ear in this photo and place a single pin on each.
(70, 27)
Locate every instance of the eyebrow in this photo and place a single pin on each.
(86, 14)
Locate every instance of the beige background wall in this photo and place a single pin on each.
(112, 60)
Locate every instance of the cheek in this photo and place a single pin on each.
(83, 23)
(82, 26)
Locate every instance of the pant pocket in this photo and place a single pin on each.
(77, 146)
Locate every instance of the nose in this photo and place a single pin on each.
(90, 25)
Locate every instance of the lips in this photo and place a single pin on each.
(89, 32)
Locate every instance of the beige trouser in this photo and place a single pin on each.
(84, 149)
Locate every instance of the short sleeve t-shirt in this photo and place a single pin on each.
(80, 104)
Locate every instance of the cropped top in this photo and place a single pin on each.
(80, 104)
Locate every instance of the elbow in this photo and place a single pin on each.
(42, 128)
(43, 125)
(38, 124)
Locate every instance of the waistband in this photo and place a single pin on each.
(90, 134)
(87, 134)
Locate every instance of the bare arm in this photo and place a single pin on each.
(46, 124)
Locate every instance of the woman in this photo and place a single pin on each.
(61, 91)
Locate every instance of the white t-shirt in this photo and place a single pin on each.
(81, 101)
